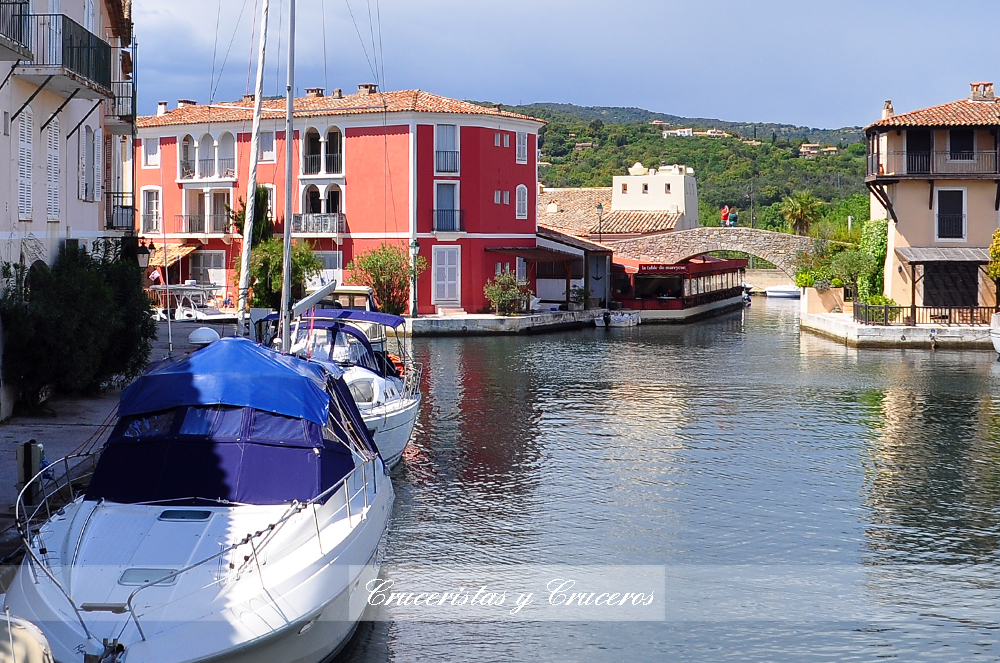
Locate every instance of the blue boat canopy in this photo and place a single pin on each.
(234, 372)
(386, 319)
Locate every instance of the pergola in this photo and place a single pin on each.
(535, 254)
(914, 256)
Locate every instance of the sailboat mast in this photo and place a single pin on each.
(258, 98)
(286, 265)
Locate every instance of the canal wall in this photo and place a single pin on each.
(842, 327)
(692, 314)
(765, 278)
(481, 324)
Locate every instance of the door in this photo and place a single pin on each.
(220, 218)
(446, 217)
(918, 151)
(447, 275)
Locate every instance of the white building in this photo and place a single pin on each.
(67, 101)
(678, 132)
(670, 189)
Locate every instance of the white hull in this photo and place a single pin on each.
(995, 337)
(392, 427)
(298, 601)
(783, 291)
(619, 320)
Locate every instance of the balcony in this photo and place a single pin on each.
(446, 162)
(67, 58)
(311, 164)
(119, 211)
(119, 110)
(977, 165)
(150, 223)
(335, 163)
(227, 168)
(201, 224)
(332, 223)
(206, 167)
(449, 220)
(14, 33)
(951, 226)
(187, 169)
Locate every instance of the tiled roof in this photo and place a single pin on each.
(964, 112)
(577, 214)
(570, 240)
(577, 208)
(633, 222)
(414, 101)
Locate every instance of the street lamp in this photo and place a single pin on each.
(414, 252)
(600, 218)
(142, 254)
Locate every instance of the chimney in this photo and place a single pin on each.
(497, 107)
(248, 98)
(887, 109)
(181, 103)
(337, 94)
(313, 92)
(365, 89)
(161, 108)
(982, 91)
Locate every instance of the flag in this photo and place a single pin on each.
(155, 275)
(725, 213)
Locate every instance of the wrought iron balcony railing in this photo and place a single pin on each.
(950, 226)
(122, 104)
(14, 24)
(206, 167)
(187, 169)
(446, 162)
(311, 164)
(449, 220)
(330, 223)
(119, 210)
(335, 163)
(940, 162)
(59, 41)
(204, 223)
(878, 314)
(227, 167)
(150, 223)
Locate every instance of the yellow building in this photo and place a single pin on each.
(933, 173)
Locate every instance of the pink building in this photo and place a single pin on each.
(370, 167)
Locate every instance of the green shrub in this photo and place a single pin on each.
(505, 294)
(875, 243)
(389, 272)
(266, 266)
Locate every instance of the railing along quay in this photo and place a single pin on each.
(909, 316)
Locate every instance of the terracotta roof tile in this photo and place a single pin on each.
(414, 101)
(576, 208)
(964, 112)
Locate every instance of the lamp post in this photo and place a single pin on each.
(600, 219)
(414, 252)
(142, 254)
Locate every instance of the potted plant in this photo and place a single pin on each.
(505, 295)
(578, 297)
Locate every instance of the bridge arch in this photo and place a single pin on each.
(777, 248)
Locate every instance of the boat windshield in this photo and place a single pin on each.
(342, 344)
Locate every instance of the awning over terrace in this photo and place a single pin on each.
(923, 255)
(174, 253)
(534, 253)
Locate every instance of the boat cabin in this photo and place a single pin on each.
(696, 284)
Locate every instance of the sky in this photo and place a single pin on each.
(822, 64)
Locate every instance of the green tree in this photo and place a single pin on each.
(875, 243)
(993, 267)
(506, 295)
(388, 272)
(851, 264)
(263, 228)
(801, 210)
(266, 266)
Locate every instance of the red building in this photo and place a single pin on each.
(370, 167)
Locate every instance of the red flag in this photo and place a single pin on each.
(725, 213)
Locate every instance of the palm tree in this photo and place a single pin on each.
(801, 210)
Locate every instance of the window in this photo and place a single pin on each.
(267, 146)
(962, 145)
(666, 188)
(331, 259)
(207, 265)
(624, 188)
(25, 161)
(506, 140)
(496, 139)
(522, 270)
(521, 210)
(52, 172)
(151, 152)
(89, 14)
(446, 148)
(270, 201)
(498, 269)
(506, 197)
(447, 216)
(645, 187)
(950, 214)
(150, 210)
(90, 147)
(496, 197)
(522, 147)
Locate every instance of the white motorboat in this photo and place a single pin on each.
(618, 319)
(234, 515)
(783, 291)
(995, 333)
(385, 386)
(22, 642)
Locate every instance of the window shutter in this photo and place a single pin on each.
(522, 147)
(98, 166)
(82, 172)
(25, 169)
(52, 171)
(521, 211)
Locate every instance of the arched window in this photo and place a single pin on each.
(334, 151)
(227, 155)
(521, 210)
(25, 161)
(187, 158)
(206, 156)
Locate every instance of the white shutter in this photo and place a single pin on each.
(82, 143)
(521, 210)
(25, 168)
(52, 172)
(522, 147)
(98, 164)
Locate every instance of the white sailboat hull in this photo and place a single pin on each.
(392, 427)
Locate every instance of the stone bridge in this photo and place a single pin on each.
(777, 248)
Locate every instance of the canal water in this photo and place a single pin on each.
(806, 501)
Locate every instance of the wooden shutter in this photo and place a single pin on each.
(98, 167)
(521, 210)
(52, 171)
(82, 172)
(25, 161)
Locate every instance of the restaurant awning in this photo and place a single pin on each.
(922, 255)
(174, 253)
(535, 254)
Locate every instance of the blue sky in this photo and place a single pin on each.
(822, 64)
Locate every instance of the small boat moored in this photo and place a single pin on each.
(783, 291)
(618, 319)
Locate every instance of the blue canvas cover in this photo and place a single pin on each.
(236, 372)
